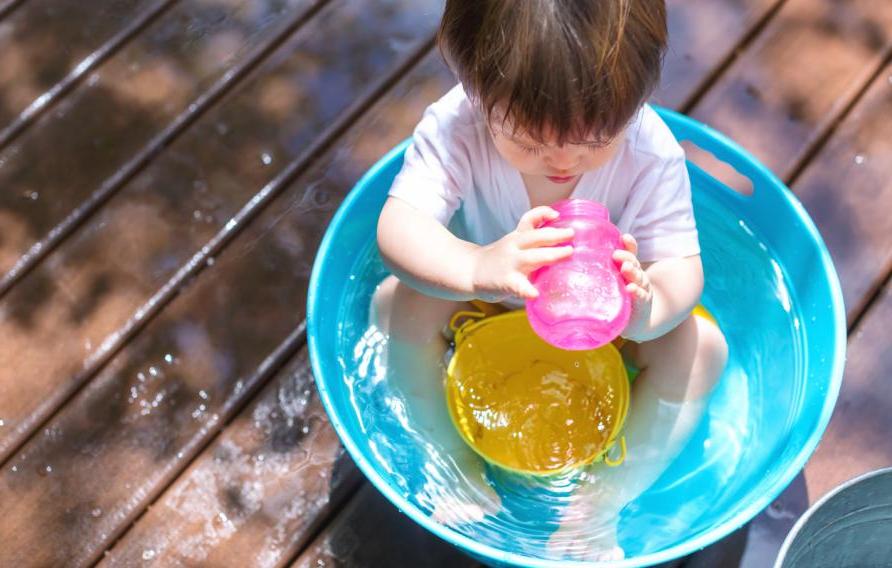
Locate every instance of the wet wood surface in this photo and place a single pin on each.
(72, 159)
(857, 439)
(254, 496)
(43, 54)
(83, 298)
(703, 37)
(847, 189)
(783, 93)
(159, 209)
(178, 408)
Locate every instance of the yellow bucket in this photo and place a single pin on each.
(529, 407)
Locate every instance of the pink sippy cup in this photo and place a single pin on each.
(583, 302)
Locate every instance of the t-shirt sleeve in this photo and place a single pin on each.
(436, 169)
(664, 225)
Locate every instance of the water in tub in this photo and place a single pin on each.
(682, 457)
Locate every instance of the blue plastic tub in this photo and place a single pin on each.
(769, 282)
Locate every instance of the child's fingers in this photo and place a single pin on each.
(539, 257)
(632, 273)
(622, 256)
(523, 288)
(636, 291)
(630, 243)
(549, 236)
(535, 217)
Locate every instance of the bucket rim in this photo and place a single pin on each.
(471, 326)
(814, 508)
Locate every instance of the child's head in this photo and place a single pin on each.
(558, 80)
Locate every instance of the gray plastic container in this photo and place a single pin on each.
(850, 527)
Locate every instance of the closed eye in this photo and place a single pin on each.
(599, 145)
(534, 150)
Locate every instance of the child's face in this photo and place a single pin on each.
(559, 164)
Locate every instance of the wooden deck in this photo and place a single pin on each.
(167, 170)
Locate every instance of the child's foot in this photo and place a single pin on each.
(452, 512)
(477, 499)
(587, 527)
(574, 544)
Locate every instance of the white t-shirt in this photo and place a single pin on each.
(453, 172)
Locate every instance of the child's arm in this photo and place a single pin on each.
(663, 292)
(425, 255)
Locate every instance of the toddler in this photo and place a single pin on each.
(551, 105)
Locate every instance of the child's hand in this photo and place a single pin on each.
(502, 268)
(638, 285)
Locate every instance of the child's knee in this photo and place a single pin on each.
(409, 314)
(383, 295)
(392, 296)
(712, 351)
(382, 303)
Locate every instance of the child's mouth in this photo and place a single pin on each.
(560, 179)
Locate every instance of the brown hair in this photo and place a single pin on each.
(562, 67)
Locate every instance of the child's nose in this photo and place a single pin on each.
(563, 159)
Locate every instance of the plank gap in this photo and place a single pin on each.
(824, 136)
(713, 77)
(870, 299)
(125, 173)
(49, 98)
(9, 6)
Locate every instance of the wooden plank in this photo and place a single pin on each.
(254, 496)
(82, 300)
(49, 45)
(125, 436)
(123, 115)
(370, 533)
(806, 67)
(174, 536)
(766, 533)
(847, 189)
(703, 35)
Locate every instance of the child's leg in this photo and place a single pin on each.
(678, 371)
(413, 324)
(686, 363)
